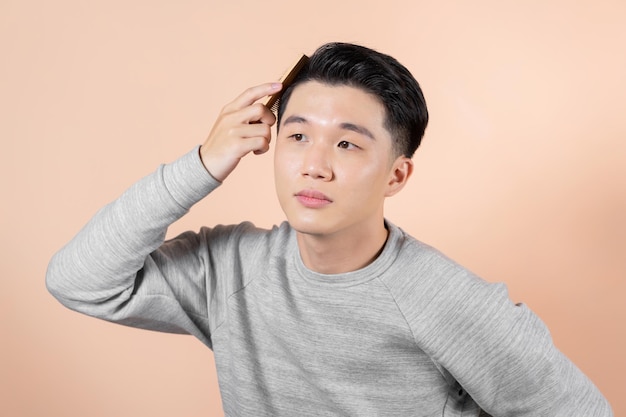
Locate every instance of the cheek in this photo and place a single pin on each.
(284, 163)
(367, 185)
(362, 174)
(284, 171)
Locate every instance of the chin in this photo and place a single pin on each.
(306, 227)
(310, 227)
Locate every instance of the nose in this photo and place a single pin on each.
(316, 162)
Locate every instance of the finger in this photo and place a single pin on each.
(256, 144)
(264, 147)
(254, 138)
(267, 116)
(251, 130)
(255, 113)
(252, 94)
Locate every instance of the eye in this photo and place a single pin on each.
(298, 137)
(344, 144)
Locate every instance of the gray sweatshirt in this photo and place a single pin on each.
(411, 334)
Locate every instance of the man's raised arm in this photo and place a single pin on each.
(117, 267)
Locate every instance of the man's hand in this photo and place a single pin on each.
(243, 126)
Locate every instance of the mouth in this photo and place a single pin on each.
(313, 199)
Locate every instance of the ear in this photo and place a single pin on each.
(401, 170)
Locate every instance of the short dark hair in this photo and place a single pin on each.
(379, 74)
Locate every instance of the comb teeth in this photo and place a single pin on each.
(276, 105)
(273, 101)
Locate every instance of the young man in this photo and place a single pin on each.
(336, 311)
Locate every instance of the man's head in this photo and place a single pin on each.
(380, 75)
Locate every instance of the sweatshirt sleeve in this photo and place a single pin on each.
(501, 353)
(112, 270)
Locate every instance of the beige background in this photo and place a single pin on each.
(521, 177)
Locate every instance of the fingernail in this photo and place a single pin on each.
(276, 86)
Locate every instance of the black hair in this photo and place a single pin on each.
(378, 74)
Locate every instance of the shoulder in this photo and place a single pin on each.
(416, 261)
(422, 278)
(246, 241)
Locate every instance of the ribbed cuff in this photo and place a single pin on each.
(187, 179)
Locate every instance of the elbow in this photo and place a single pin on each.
(66, 282)
(55, 281)
(93, 294)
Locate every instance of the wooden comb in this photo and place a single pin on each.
(273, 101)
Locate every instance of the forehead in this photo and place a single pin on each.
(328, 105)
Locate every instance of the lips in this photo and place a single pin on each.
(313, 198)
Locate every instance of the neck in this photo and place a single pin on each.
(343, 251)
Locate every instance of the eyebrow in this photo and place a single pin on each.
(295, 119)
(362, 130)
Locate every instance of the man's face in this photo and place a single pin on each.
(333, 161)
